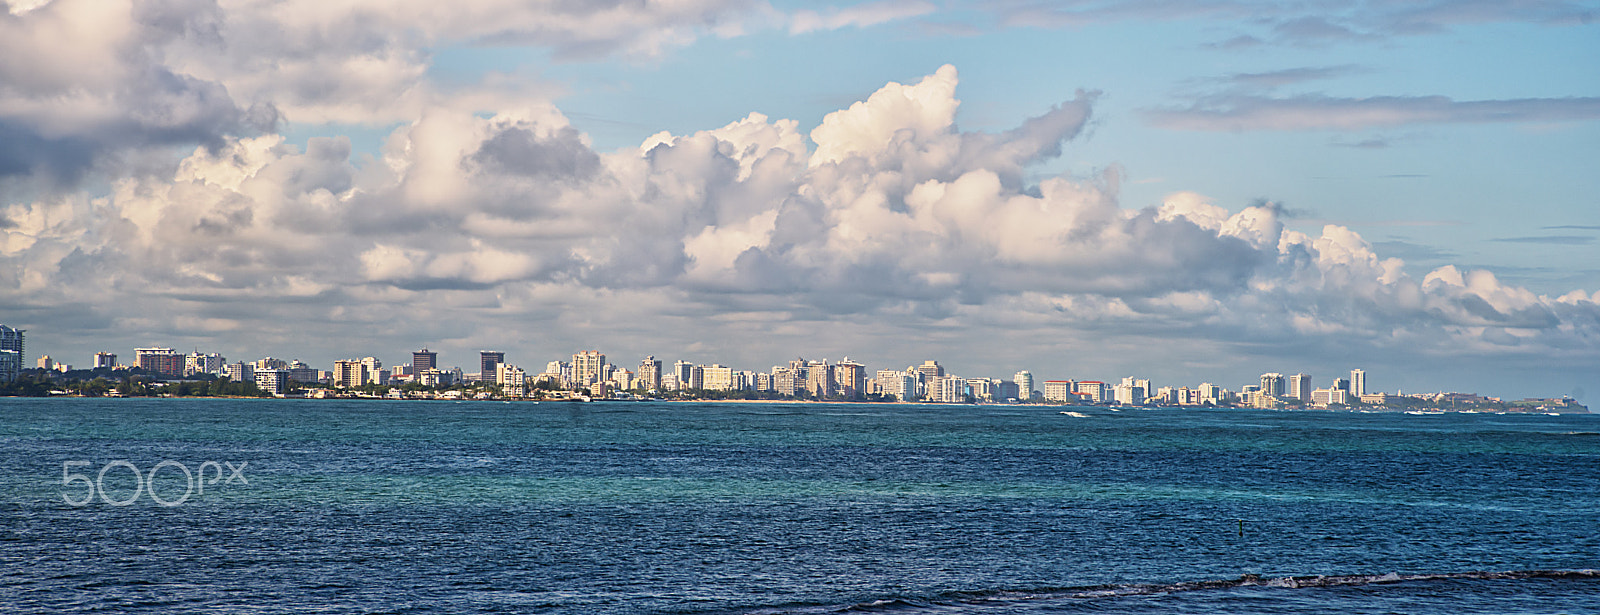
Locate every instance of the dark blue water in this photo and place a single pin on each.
(414, 507)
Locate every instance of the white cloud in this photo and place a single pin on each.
(899, 230)
(860, 15)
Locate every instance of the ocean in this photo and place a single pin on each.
(322, 506)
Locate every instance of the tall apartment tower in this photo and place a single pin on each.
(424, 360)
(164, 361)
(105, 359)
(1024, 380)
(489, 361)
(11, 341)
(683, 372)
(1300, 387)
(650, 374)
(1272, 384)
(588, 367)
(1358, 382)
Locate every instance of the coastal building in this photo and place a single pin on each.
(302, 373)
(10, 365)
(850, 378)
(1128, 394)
(489, 364)
(1210, 394)
(1097, 392)
(1299, 387)
(901, 385)
(163, 361)
(716, 377)
(271, 363)
(930, 369)
(981, 389)
(352, 373)
(650, 374)
(12, 341)
(46, 363)
(683, 371)
(240, 372)
(274, 381)
(697, 377)
(785, 381)
(1059, 390)
(1024, 380)
(1272, 384)
(423, 360)
(513, 380)
(819, 379)
(1329, 397)
(1358, 382)
(105, 359)
(203, 363)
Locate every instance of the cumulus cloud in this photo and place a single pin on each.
(891, 224)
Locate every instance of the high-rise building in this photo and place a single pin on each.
(716, 378)
(588, 367)
(1128, 394)
(46, 363)
(488, 365)
(1300, 387)
(105, 359)
(1058, 390)
(1024, 380)
(163, 361)
(12, 340)
(819, 379)
(1095, 390)
(274, 381)
(930, 369)
(240, 372)
(1272, 384)
(423, 360)
(683, 371)
(1358, 382)
(302, 373)
(512, 380)
(850, 378)
(1210, 393)
(351, 373)
(650, 374)
(203, 363)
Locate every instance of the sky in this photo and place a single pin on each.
(1197, 191)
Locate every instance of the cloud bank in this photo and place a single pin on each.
(886, 225)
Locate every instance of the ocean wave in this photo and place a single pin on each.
(1030, 600)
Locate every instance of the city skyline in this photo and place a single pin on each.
(1353, 379)
(1183, 193)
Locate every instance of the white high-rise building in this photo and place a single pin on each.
(1024, 380)
(588, 367)
(513, 380)
(1272, 384)
(203, 363)
(1358, 382)
(716, 377)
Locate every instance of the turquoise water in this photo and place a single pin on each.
(368, 506)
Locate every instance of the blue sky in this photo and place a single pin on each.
(1182, 191)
